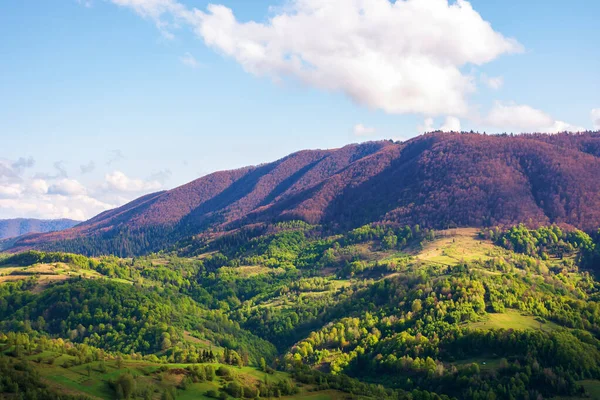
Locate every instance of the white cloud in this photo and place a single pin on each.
(451, 124)
(596, 118)
(38, 186)
(10, 191)
(119, 182)
(401, 57)
(361, 130)
(427, 126)
(156, 11)
(67, 187)
(51, 207)
(524, 118)
(562, 126)
(53, 195)
(189, 60)
(518, 116)
(494, 82)
(35, 198)
(153, 9)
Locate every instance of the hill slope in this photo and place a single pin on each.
(10, 228)
(379, 312)
(436, 180)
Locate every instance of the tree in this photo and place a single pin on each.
(263, 364)
(126, 383)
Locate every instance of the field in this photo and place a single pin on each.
(456, 245)
(93, 379)
(485, 364)
(45, 273)
(512, 319)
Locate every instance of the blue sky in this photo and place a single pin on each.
(104, 100)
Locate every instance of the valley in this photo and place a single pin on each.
(378, 311)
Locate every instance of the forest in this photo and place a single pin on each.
(380, 311)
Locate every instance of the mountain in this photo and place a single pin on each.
(10, 228)
(437, 180)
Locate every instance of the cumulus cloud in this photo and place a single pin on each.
(596, 118)
(55, 195)
(518, 116)
(524, 118)
(189, 60)
(562, 126)
(38, 186)
(361, 130)
(119, 182)
(67, 187)
(36, 198)
(7, 173)
(401, 57)
(450, 124)
(77, 207)
(10, 191)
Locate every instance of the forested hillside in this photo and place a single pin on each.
(379, 311)
(438, 180)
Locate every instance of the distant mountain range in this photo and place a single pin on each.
(437, 180)
(10, 228)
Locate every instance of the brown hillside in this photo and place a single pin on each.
(436, 180)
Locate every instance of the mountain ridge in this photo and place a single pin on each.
(437, 180)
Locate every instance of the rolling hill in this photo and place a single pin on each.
(378, 312)
(437, 180)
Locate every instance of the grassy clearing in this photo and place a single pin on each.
(248, 271)
(324, 395)
(457, 245)
(46, 274)
(484, 363)
(512, 319)
(93, 379)
(592, 388)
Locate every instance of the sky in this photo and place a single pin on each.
(102, 101)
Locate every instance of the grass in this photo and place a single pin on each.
(76, 381)
(457, 245)
(512, 319)
(248, 271)
(485, 364)
(592, 388)
(324, 395)
(49, 273)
